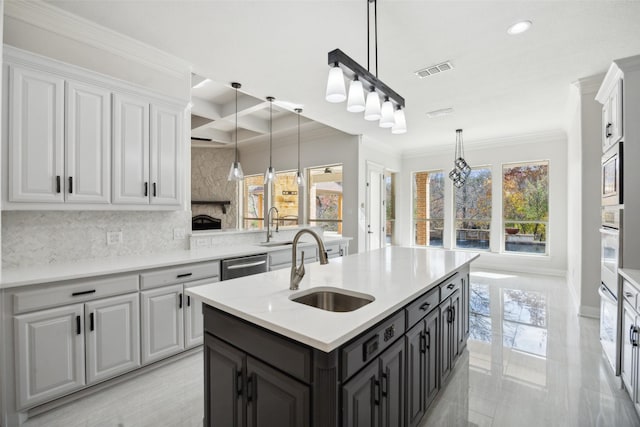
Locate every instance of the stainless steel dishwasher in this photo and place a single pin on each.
(243, 266)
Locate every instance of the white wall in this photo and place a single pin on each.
(583, 195)
(318, 148)
(550, 146)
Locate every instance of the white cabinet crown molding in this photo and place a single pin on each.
(15, 56)
(51, 18)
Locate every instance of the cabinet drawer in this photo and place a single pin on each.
(73, 292)
(180, 274)
(366, 348)
(422, 306)
(449, 286)
(630, 293)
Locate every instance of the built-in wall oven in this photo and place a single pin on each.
(610, 260)
(611, 189)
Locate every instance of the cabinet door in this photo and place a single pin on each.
(360, 399)
(36, 136)
(458, 326)
(392, 384)
(615, 107)
(416, 374)
(432, 335)
(193, 322)
(130, 150)
(162, 323)
(224, 384)
(49, 354)
(446, 330)
(88, 144)
(275, 399)
(464, 310)
(628, 337)
(165, 149)
(113, 336)
(636, 368)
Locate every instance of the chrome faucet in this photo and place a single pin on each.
(297, 273)
(269, 235)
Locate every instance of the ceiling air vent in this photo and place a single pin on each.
(441, 112)
(434, 69)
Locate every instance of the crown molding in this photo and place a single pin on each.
(589, 84)
(483, 144)
(56, 20)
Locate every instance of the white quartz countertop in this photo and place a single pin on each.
(11, 278)
(394, 276)
(631, 275)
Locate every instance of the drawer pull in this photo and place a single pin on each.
(628, 294)
(450, 286)
(249, 264)
(77, 294)
(180, 276)
(425, 306)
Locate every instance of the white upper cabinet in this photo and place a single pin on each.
(78, 140)
(130, 150)
(88, 144)
(165, 158)
(612, 116)
(36, 136)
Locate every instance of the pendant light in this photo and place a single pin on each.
(372, 109)
(461, 169)
(270, 174)
(356, 104)
(299, 174)
(400, 125)
(335, 85)
(235, 173)
(386, 114)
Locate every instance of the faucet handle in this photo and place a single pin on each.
(302, 262)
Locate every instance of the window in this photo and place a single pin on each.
(325, 197)
(285, 198)
(253, 202)
(473, 210)
(525, 196)
(428, 208)
(389, 206)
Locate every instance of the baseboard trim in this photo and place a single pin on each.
(589, 311)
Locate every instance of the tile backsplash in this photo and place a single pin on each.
(44, 237)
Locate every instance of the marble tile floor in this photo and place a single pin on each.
(530, 361)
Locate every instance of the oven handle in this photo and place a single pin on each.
(611, 231)
(606, 293)
(249, 264)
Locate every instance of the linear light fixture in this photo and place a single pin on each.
(391, 113)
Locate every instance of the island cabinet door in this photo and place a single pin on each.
(224, 384)
(416, 374)
(275, 399)
(446, 328)
(360, 399)
(392, 383)
(431, 348)
(457, 330)
(464, 310)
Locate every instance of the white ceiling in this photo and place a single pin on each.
(502, 85)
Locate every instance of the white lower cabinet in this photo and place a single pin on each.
(63, 349)
(162, 323)
(49, 354)
(113, 336)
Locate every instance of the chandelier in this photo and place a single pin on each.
(461, 169)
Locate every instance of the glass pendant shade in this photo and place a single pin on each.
(386, 115)
(235, 173)
(372, 108)
(300, 179)
(400, 125)
(356, 104)
(270, 175)
(336, 91)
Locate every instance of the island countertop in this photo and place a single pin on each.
(394, 276)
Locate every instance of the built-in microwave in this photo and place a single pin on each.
(611, 185)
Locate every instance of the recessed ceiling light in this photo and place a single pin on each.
(519, 27)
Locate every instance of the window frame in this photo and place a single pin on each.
(454, 206)
(428, 219)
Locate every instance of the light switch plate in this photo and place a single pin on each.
(114, 237)
(178, 233)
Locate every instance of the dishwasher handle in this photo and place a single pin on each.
(248, 264)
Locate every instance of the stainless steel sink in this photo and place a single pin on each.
(332, 299)
(275, 243)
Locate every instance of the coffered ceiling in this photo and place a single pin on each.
(501, 85)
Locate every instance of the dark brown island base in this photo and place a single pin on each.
(385, 376)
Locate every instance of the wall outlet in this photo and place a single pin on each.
(114, 237)
(202, 242)
(178, 233)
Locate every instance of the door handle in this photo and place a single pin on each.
(146, 189)
(70, 184)
(423, 343)
(57, 183)
(607, 130)
(239, 381)
(428, 339)
(154, 189)
(376, 392)
(78, 329)
(179, 300)
(385, 383)
(91, 325)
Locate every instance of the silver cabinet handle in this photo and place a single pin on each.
(249, 264)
